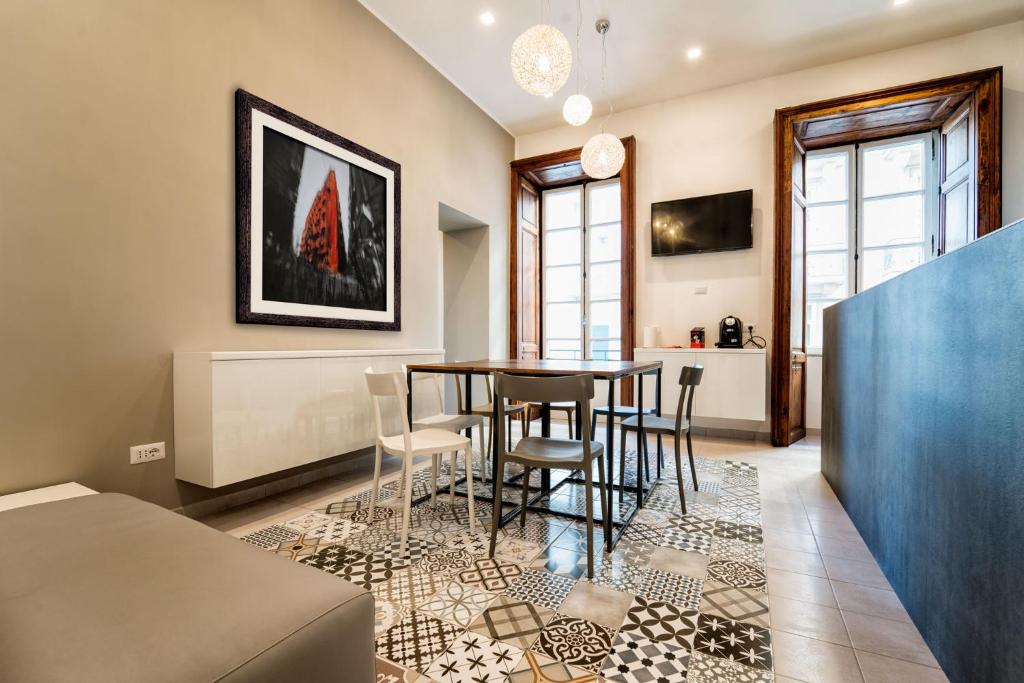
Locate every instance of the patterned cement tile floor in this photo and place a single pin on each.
(765, 579)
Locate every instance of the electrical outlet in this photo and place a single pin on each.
(146, 453)
(700, 289)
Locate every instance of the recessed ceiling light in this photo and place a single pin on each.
(900, 2)
(487, 18)
(696, 52)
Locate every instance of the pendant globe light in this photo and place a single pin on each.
(603, 155)
(541, 60)
(577, 108)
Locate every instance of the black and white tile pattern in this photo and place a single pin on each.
(446, 612)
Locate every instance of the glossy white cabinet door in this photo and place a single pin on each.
(734, 384)
(266, 416)
(240, 415)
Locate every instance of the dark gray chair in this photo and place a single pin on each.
(689, 379)
(546, 452)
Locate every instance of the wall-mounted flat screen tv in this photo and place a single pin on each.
(717, 222)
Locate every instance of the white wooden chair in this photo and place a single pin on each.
(428, 441)
(455, 423)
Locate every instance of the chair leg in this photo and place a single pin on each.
(606, 495)
(407, 506)
(693, 466)
(643, 471)
(451, 480)
(679, 474)
(483, 452)
(526, 496)
(499, 482)
(527, 422)
(469, 485)
(376, 479)
(590, 519)
(434, 457)
(568, 418)
(622, 463)
(661, 456)
(509, 432)
(593, 422)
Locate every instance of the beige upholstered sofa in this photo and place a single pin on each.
(109, 588)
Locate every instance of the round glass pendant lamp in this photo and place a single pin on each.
(602, 156)
(577, 110)
(541, 60)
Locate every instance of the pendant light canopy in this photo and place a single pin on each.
(541, 60)
(603, 155)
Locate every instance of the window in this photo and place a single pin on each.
(871, 215)
(582, 277)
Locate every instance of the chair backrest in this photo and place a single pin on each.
(426, 377)
(458, 391)
(573, 389)
(689, 380)
(384, 385)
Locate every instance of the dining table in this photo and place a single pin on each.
(610, 371)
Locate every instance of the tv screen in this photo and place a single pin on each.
(717, 222)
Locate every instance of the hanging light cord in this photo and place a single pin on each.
(579, 46)
(604, 67)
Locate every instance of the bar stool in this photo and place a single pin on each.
(689, 380)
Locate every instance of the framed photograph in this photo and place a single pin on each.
(319, 225)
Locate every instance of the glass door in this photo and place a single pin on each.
(582, 286)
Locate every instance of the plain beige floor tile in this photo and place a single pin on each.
(790, 524)
(245, 519)
(849, 549)
(799, 587)
(807, 659)
(875, 602)
(898, 639)
(855, 571)
(787, 540)
(842, 532)
(808, 619)
(795, 561)
(680, 562)
(787, 679)
(598, 604)
(879, 669)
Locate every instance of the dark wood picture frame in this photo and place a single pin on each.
(878, 114)
(245, 104)
(561, 169)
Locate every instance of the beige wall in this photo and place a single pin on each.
(721, 140)
(117, 202)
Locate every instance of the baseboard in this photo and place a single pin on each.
(267, 489)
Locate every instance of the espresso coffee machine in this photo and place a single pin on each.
(730, 333)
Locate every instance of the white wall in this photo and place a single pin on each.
(117, 206)
(721, 140)
(466, 302)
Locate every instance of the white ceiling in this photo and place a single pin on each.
(741, 40)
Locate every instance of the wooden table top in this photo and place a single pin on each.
(605, 369)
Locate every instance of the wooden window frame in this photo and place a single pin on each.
(791, 124)
(560, 169)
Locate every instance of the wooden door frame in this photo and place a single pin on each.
(560, 169)
(984, 86)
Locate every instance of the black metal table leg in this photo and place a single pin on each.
(641, 441)
(609, 451)
(545, 431)
(408, 397)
